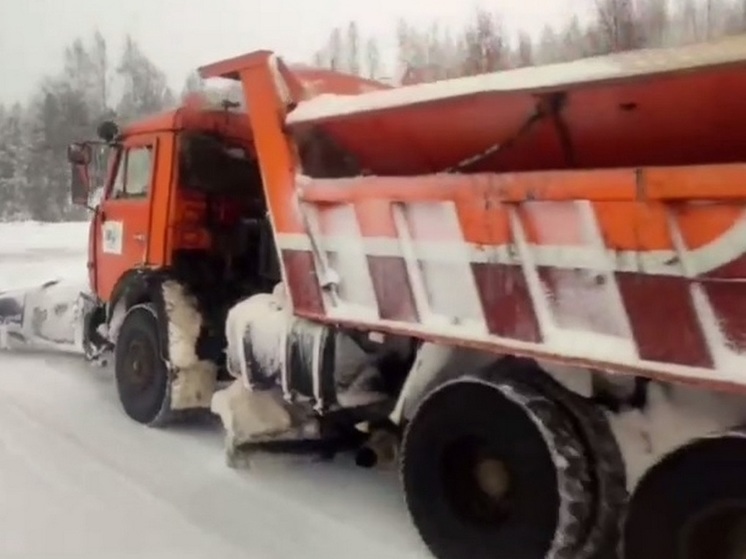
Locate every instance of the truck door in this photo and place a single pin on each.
(124, 216)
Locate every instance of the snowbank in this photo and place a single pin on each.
(32, 253)
(21, 237)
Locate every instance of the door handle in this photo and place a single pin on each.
(139, 237)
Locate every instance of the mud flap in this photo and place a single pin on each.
(48, 317)
(194, 379)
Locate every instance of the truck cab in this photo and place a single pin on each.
(183, 197)
(184, 240)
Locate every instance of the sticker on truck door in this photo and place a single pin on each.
(112, 233)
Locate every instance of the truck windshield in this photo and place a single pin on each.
(216, 164)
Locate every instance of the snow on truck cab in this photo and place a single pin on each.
(526, 289)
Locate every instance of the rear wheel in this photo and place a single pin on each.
(691, 504)
(493, 469)
(142, 375)
(607, 470)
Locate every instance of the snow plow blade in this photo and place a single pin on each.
(49, 317)
(678, 106)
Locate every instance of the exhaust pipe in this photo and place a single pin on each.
(381, 450)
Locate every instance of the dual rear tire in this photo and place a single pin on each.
(493, 466)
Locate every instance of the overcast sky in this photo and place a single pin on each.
(179, 35)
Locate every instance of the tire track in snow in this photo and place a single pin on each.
(93, 484)
(245, 510)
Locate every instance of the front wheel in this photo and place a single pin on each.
(142, 376)
(494, 469)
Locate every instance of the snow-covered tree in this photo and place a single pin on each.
(616, 26)
(372, 59)
(352, 49)
(335, 50)
(68, 104)
(13, 162)
(193, 84)
(34, 172)
(486, 49)
(145, 88)
(524, 52)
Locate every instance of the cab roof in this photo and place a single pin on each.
(187, 117)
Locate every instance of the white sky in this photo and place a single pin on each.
(179, 35)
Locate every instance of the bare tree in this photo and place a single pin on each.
(616, 26)
(524, 55)
(352, 49)
(412, 47)
(701, 20)
(738, 22)
(320, 58)
(486, 48)
(372, 59)
(575, 41)
(654, 23)
(550, 46)
(335, 50)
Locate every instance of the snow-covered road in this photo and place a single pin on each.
(78, 479)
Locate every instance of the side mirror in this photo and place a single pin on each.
(80, 155)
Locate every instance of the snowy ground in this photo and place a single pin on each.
(78, 479)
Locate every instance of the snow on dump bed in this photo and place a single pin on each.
(589, 70)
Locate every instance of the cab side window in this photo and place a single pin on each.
(133, 173)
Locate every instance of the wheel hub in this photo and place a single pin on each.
(476, 482)
(139, 359)
(492, 477)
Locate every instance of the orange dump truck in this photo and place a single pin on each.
(486, 281)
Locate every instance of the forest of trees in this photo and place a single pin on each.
(489, 43)
(93, 85)
(34, 173)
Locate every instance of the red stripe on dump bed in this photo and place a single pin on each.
(506, 301)
(663, 319)
(392, 288)
(728, 301)
(305, 290)
(726, 290)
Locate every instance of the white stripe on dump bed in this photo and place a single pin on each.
(707, 258)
